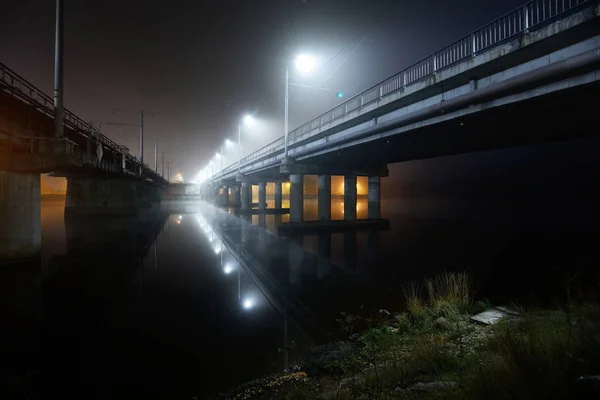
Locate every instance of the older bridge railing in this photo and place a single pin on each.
(531, 15)
(17, 86)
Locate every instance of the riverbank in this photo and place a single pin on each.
(434, 350)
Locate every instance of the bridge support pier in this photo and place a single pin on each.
(373, 197)
(278, 195)
(225, 196)
(324, 198)
(262, 195)
(20, 221)
(236, 196)
(100, 196)
(350, 198)
(296, 198)
(246, 196)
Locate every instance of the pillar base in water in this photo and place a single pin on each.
(296, 198)
(101, 197)
(20, 221)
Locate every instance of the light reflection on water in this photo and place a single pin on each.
(181, 289)
(311, 207)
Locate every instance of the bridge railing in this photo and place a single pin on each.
(518, 21)
(19, 87)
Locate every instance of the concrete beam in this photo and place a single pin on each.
(308, 169)
(38, 163)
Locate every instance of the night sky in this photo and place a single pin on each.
(199, 65)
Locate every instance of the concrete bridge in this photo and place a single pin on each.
(529, 76)
(102, 177)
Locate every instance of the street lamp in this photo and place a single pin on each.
(304, 64)
(246, 120)
(225, 143)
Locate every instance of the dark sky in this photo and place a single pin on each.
(199, 65)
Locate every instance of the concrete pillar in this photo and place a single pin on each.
(262, 195)
(278, 195)
(350, 198)
(374, 197)
(215, 194)
(20, 222)
(296, 198)
(236, 195)
(246, 196)
(225, 195)
(324, 198)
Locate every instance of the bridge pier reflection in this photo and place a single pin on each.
(324, 246)
(291, 273)
(20, 230)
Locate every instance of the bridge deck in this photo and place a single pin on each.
(534, 36)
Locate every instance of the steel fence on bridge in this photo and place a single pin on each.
(19, 87)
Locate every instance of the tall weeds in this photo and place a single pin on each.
(448, 295)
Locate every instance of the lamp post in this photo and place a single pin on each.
(143, 113)
(59, 110)
(304, 64)
(247, 120)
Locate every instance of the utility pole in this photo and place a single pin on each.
(163, 164)
(168, 171)
(142, 137)
(59, 108)
(286, 114)
(155, 157)
(141, 125)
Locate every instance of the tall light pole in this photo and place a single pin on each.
(59, 109)
(247, 120)
(155, 157)
(286, 116)
(304, 64)
(222, 148)
(163, 164)
(142, 114)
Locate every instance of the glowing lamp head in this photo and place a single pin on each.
(228, 269)
(248, 304)
(339, 95)
(305, 64)
(248, 119)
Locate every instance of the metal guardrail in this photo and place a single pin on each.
(516, 22)
(19, 87)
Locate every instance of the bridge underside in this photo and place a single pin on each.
(561, 115)
(523, 118)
